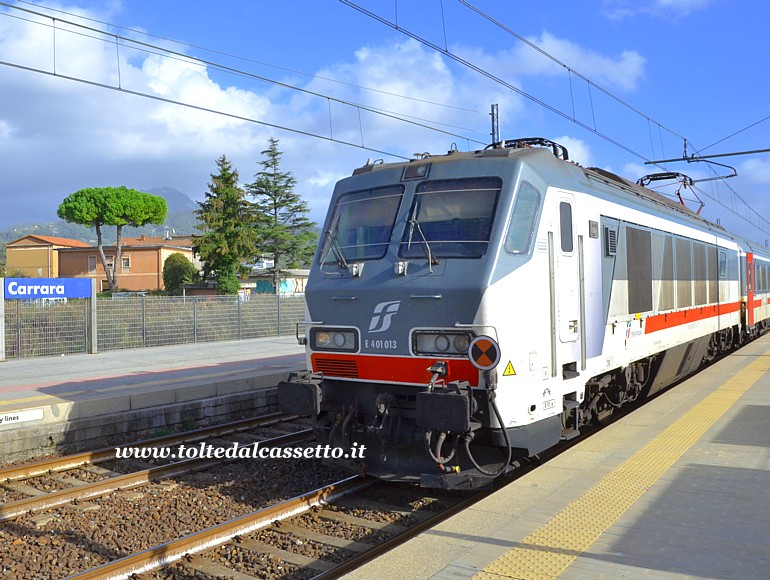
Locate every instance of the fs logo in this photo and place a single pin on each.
(383, 312)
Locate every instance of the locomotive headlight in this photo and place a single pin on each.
(461, 342)
(442, 343)
(334, 339)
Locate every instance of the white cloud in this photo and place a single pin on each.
(578, 150)
(623, 9)
(756, 170)
(622, 72)
(86, 136)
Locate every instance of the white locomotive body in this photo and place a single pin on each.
(471, 308)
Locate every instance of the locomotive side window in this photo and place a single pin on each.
(522, 226)
(451, 218)
(361, 225)
(683, 273)
(565, 222)
(639, 264)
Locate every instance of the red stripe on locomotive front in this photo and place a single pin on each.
(391, 369)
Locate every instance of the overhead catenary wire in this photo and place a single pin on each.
(736, 133)
(568, 68)
(553, 109)
(88, 31)
(199, 108)
(246, 59)
(492, 77)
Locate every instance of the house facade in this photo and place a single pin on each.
(37, 256)
(141, 261)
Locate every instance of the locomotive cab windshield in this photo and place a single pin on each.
(451, 218)
(361, 225)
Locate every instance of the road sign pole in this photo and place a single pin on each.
(2, 319)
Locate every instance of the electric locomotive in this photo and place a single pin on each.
(469, 309)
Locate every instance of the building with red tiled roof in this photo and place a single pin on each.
(141, 258)
(37, 256)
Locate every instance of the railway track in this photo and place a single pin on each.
(320, 534)
(18, 479)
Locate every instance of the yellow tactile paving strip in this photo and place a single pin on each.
(550, 550)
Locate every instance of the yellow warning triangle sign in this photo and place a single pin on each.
(509, 370)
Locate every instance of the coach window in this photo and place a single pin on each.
(639, 264)
(713, 277)
(683, 273)
(565, 220)
(663, 270)
(722, 264)
(699, 269)
(521, 229)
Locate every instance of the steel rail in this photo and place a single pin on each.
(168, 553)
(394, 541)
(47, 466)
(88, 491)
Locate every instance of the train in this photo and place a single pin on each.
(470, 310)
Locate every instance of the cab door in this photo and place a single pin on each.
(567, 273)
(750, 288)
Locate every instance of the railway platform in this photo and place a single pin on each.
(677, 489)
(81, 401)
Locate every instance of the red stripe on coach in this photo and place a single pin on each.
(672, 319)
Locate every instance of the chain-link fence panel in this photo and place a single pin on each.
(35, 329)
(45, 328)
(217, 318)
(292, 311)
(169, 320)
(259, 316)
(120, 323)
(12, 330)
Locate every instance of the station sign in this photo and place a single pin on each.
(37, 288)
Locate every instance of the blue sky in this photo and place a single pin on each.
(674, 69)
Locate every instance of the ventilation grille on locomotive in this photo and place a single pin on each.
(610, 242)
(337, 367)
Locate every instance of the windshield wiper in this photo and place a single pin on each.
(333, 244)
(414, 224)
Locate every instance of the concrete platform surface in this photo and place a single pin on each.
(70, 402)
(678, 489)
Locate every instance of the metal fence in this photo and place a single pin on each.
(34, 329)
